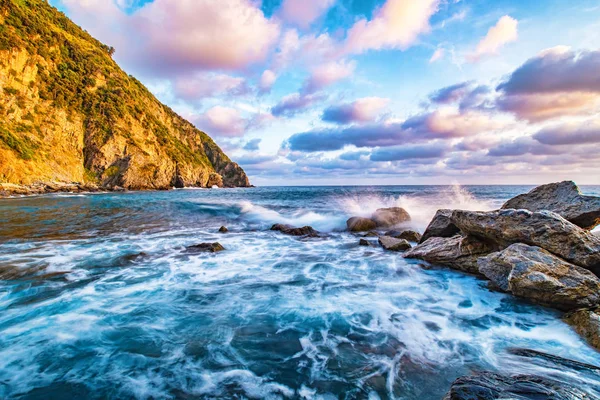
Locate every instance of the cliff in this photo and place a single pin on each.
(68, 113)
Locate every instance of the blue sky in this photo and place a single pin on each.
(373, 91)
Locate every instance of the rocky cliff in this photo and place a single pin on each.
(68, 113)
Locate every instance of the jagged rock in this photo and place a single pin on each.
(587, 324)
(410, 235)
(536, 274)
(552, 361)
(371, 234)
(544, 229)
(390, 216)
(360, 224)
(205, 248)
(290, 230)
(440, 226)
(458, 252)
(364, 242)
(223, 229)
(488, 386)
(563, 198)
(393, 244)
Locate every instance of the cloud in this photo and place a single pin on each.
(505, 31)
(409, 152)
(451, 94)
(556, 70)
(303, 13)
(327, 74)
(203, 85)
(267, 80)
(449, 124)
(295, 103)
(252, 145)
(437, 55)
(396, 25)
(541, 107)
(570, 134)
(361, 110)
(253, 159)
(221, 121)
(521, 146)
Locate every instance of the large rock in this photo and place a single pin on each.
(587, 324)
(385, 217)
(205, 248)
(292, 231)
(409, 234)
(536, 274)
(563, 198)
(457, 252)
(488, 386)
(393, 244)
(544, 229)
(440, 226)
(360, 224)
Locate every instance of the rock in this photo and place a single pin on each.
(364, 242)
(544, 229)
(536, 274)
(360, 224)
(371, 234)
(488, 385)
(290, 230)
(223, 229)
(410, 235)
(393, 244)
(458, 252)
(205, 248)
(552, 361)
(440, 226)
(587, 324)
(563, 198)
(390, 216)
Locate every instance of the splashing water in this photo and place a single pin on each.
(109, 304)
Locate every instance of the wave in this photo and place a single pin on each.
(301, 217)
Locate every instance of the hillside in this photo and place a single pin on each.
(68, 113)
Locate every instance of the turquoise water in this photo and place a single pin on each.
(100, 300)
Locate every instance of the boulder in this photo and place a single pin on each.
(544, 229)
(364, 242)
(536, 274)
(205, 248)
(393, 244)
(371, 234)
(587, 324)
(458, 252)
(488, 386)
(563, 198)
(440, 226)
(390, 216)
(410, 235)
(223, 229)
(290, 230)
(360, 224)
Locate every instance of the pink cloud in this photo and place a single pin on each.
(361, 110)
(327, 74)
(437, 55)
(208, 84)
(505, 31)
(540, 107)
(448, 124)
(396, 25)
(303, 13)
(295, 103)
(221, 121)
(267, 80)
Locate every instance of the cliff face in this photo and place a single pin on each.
(68, 113)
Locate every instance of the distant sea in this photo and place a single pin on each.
(99, 299)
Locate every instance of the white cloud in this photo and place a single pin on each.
(505, 31)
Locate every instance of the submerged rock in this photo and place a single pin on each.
(205, 248)
(223, 229)
(552, 361)
(563, 198)
(488, 386)
(458, 252)
(587, 324)
(390, 216)
(393, 244)
(440, 226)
(410, 235)
(292, 231)
(364, 242)
(544, 229)
(536, 274)
(360, 224)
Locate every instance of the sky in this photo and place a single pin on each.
(373, 92)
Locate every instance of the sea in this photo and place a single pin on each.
(100, 299)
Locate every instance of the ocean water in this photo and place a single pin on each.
(99, 299)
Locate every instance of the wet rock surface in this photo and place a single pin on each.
(386, 217)
(440, 226)
(563, 198)
(536, 274)
(458, 252)
(293, 231)
(223, 229)
(410, 235)
(587, 324)
(360, 224)
(205, 248)
(393, 244)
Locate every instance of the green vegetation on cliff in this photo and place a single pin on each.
(69, 113)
